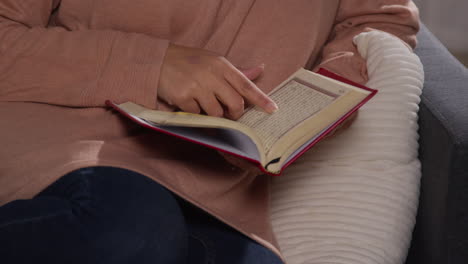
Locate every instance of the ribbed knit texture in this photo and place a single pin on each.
(353, 198)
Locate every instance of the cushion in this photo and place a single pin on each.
(353, 198)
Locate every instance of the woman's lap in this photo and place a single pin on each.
(110, 215)
(212, 241)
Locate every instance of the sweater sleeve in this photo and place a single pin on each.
(397, 17)
(81, 68)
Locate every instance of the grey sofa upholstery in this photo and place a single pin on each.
(441, 232)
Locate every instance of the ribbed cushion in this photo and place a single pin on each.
(353, 198)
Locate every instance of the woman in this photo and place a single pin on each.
(79, 184)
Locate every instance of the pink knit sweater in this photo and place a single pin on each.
(61, 59)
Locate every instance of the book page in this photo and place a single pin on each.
(297, 101)
(160, 119)
(223, 139)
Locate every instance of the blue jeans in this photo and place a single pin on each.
(110, 215)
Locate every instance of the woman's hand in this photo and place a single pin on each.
(343, 126)
(197, 80)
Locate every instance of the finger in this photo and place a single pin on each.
(343, 126)
(249, 90)
(190, 106)
(253, 73)
(211, 105)
(231, 100)
(350, 120)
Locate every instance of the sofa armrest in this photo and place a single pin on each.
(441, 232)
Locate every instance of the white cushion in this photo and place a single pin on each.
(353, 198)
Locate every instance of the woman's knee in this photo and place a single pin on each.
(131, 219)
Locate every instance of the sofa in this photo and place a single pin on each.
(441, 232)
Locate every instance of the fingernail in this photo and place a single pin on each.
(271, 107)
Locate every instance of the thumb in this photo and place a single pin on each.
(253, 73)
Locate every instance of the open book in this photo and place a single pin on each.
(310, 106)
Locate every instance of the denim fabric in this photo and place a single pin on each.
(110, 215)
